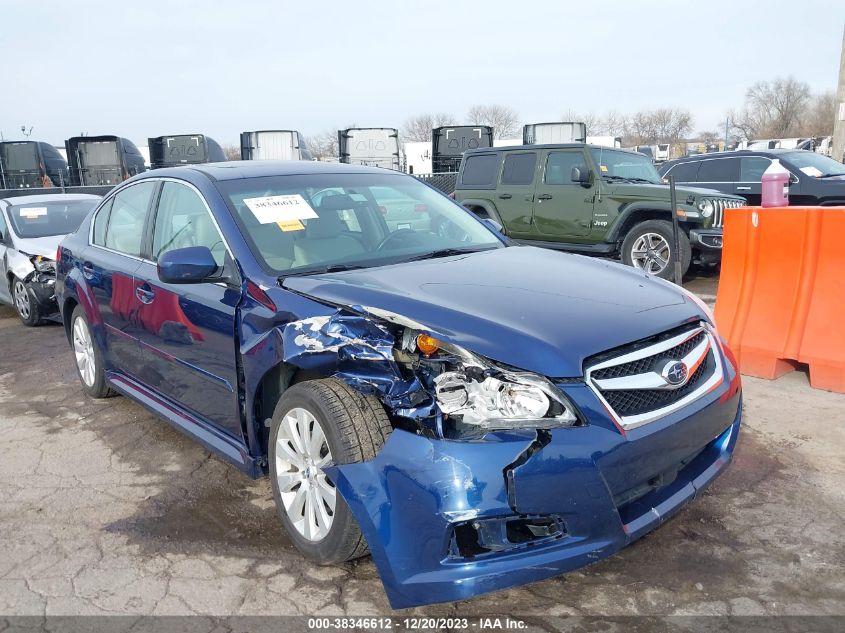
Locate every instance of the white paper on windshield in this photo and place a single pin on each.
(280, 208)
(30, 213)
(813, 172)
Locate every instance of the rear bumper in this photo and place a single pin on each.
(605, 488)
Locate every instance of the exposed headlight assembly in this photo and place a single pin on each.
(490, 397)
(706, 207)
(44, 265)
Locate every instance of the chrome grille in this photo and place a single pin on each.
(720, 205)
(639, 383)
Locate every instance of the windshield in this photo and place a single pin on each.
(303, 223)
(614, 165)
(815, 165)
(44, 219)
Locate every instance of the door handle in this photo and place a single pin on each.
(505, 196)
(88, 270)
(145, 294)
(743, 188)
(545, 196)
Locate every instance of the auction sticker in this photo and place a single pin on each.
(30, 213)
(280, 208)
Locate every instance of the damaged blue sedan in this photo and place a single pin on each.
(475, 415)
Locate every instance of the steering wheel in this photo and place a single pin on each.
(400, 233)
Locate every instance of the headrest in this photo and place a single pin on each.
(339, 202)
(326, 226)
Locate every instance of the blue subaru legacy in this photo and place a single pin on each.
(475, 415)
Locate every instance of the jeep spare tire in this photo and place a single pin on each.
(650, 247)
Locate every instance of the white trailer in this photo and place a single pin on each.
(549, 133)
(274, 145)
(372, 146)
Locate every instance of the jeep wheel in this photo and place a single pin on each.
(318, 423)
(649, 247)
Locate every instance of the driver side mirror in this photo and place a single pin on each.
(190, 265)
(581, 176)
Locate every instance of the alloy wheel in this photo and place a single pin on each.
(651, 253)
(83, 349)
(302, 451)
(22, 300)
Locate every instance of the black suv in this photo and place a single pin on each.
(816, 179)
(592, 199)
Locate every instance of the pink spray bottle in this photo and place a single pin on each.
(775, 185)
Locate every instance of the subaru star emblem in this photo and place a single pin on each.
(674, 373)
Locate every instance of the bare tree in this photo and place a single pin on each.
(419, 127)
(502, 119)
(663, 125)
(324, 146)
(594, 123)
(232, 152)
(772, 109)
(819, 118)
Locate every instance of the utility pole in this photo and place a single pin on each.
(838, 148)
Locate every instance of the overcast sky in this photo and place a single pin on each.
(148, 68)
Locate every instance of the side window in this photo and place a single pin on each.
(718, 170)
(183, 220)
(559, 167)
(125, 229)
(685, 172)
(481, 170)
(3, 230)
(519, 169)
(101, 220)
(751, 168)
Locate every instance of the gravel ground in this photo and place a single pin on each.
(104, 509)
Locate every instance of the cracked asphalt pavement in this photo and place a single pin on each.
(105, 509)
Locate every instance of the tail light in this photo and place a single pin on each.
(452, 195)
(58, 256)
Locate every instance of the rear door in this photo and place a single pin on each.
(109, 266)
(187, 331)
(563, 209)
(685, 173)
(515, 193)
(721, 174)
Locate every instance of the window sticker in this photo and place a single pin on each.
(280, 208)
(811, 171)
(30, 213)
(603, 167)
(291, 225)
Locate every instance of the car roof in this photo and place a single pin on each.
(49, 197)
(238, 169)
(512, 148)
(740, 152)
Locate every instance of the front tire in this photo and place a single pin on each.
(89, 358)
(315, 424)
(649, 246)
(26, 304)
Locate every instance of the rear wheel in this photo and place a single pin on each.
(649, 246)
(89, 359)
(316, 424)
(25, 303)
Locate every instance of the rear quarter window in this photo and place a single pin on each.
(519, 169)
(718, 170)
(480, 170)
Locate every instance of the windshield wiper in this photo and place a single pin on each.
(331, 268)
(445, 252)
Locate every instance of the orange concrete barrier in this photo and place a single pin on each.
(781, 298)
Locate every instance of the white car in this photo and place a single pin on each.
(31, 228)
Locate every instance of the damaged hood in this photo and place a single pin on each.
(44, 246)
(535, 309)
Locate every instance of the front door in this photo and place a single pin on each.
(187, 331)
(109, 266)
(750, 184)
(563, 209)
(5, 238)
(515, 194)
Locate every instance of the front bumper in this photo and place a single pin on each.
(707, 239)
(605, 488)
(44, 289)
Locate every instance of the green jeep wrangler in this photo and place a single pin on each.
(594, 200)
